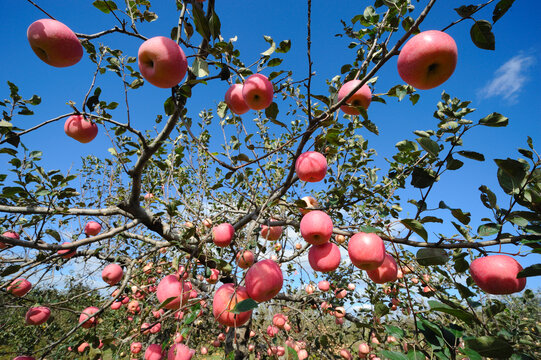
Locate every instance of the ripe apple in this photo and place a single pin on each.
(9, 234)
(136, 347)
(279, 320)
(54, 43)
(311, 204)
(171, 287)
(87, 313)
(428, 59)
(309, 289)
(80, 129)
(364, 349)
(271, 233)
(214, 276)
(311, 166)
(154, 352)
(497, 274)
(225, 300)
(67, 253)
(245, 259)
(324, 257)
(162, 62)
(316, 227)
(92, 228)
(37, 315)
(222, 235)
(112, 274)
(324, 285)
(180, 352)
(361, 98)
(19, 287)
(386, 272)
(345, 354)
(264, 280)
(235, 100)
(257, 92)
(366, 251)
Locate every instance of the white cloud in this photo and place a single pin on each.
(509, 79)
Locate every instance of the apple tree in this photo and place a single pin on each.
(260, 224)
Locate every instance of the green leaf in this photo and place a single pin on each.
(422, 178)
(12, 269)
(431, 256)
(533, 270)
(500, 9)
(393, 355)
(395, 331)
(472, 155)
(272, 48)
(291, 354)
(274, 62)
(490, 346)
(430, 146)
(494, 120)
(488, 229)
(284, 46)
(215, 25)
(167, 301)
(380, 309)
(200, 68)
(245, 305)
(453, 164)
(458, 313)
(416, 355)
(200, 20)
(488, 197)
(169, 106)
(105, 6)
(416, 227)
(466, 10)
(482, 36)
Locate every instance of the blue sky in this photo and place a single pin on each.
(504, 80)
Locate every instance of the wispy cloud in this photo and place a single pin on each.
(509, 79)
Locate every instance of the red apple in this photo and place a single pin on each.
(428, 59)
(257, 92)
(364, 349)
(271, 233)
(245, 259)
(112, 274)
(222, 235)
(19, 287)
(386, 272)
(67, 253)
(316, 227)
(497, 274)
(154, 352)
(87, 313)
(9, 234)
(264, 280)
(37, 315)
(324, 285)
(24, 358)
(214, 276)
(311, 204)
(235, 100)
(80, 129)
(162, 62)
(54, 43)
(366, 251)
(136, 347)
(171, 287)
(345, 354)
(311, 166)
(324, 257)
(361, 98)
(225, 300)
(92, 228)
(180, 352)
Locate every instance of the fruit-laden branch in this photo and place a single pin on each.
(72, 245)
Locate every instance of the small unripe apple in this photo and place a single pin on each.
(497, 274)
(92, 228)
(222, 235)
(311, 166)
(316, 227)
(235, 100)
(428, 59)
(80, 129)
(54, 43)
(324, 257)
(162, 62)
(361, 98)
(257, 92)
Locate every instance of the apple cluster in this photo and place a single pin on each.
(255, 94)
